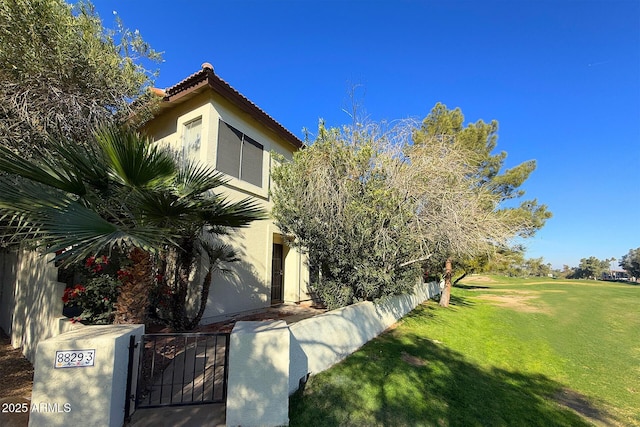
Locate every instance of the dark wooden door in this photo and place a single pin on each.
(276, 274)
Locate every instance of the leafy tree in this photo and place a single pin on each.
(62, 73)
(372, 204)
(631, 262)
(537, 267)
(122, 193)
(478, 141)
(508, 261)
(336, 198)
(471, 265)
(566, 272)
(591, 268)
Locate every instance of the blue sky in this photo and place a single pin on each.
(561, 77)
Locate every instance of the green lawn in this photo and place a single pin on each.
(508, 352)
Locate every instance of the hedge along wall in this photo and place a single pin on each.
(324, 340)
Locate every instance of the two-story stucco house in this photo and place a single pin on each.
(208, 120)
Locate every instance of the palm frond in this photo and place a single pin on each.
(43, 170)
(133, 160)
(219, 255)
(195, 179)
(27, 198)
(220, 213)
(87, 233)
(54, 219)
(124, 191)
(163, 207)
(86, 160)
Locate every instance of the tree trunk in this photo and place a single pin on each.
(204, 298)
(184, 263)
(179, 318)
(133, 298)
(446, 293)
(460, 278)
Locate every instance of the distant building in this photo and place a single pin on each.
(616, 275)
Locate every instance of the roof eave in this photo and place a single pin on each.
(207, 78)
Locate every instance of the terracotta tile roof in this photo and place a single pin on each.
(206, 78)
(157, 91)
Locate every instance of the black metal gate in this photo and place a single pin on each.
(182, 369)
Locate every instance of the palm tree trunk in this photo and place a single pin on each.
(204, 298)
(133, 299)
(184, 263)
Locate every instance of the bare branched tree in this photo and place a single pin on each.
(372, 203)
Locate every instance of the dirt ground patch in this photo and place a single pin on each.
(412, 360)
(479, 279)
(579, 403)
(16, 372)
(516, 300)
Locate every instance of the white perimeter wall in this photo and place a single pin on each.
(30, 300)
(258, 353)
(322, 341)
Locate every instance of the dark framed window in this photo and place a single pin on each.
(239, 155)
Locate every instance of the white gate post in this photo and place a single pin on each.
(80, 377)
(258, 384)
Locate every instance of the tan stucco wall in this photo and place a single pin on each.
(31, 300)
(248, 286)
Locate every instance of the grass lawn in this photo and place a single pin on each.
(507, 352)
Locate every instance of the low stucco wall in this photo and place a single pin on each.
(257, 390)
(93, 395)
(322, 341)
(30, 300)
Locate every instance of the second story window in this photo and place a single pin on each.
(239, 155)
(192, 140)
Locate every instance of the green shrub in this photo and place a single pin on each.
(96, 298)
(96, 288)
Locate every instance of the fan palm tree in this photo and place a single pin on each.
(122, 192)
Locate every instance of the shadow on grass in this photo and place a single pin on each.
(460, 301)
(404, 379)
(471, 287)
(457, 300)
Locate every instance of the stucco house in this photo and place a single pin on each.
(206, 119)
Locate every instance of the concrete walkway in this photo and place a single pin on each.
(212, 415)
(290, 313)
